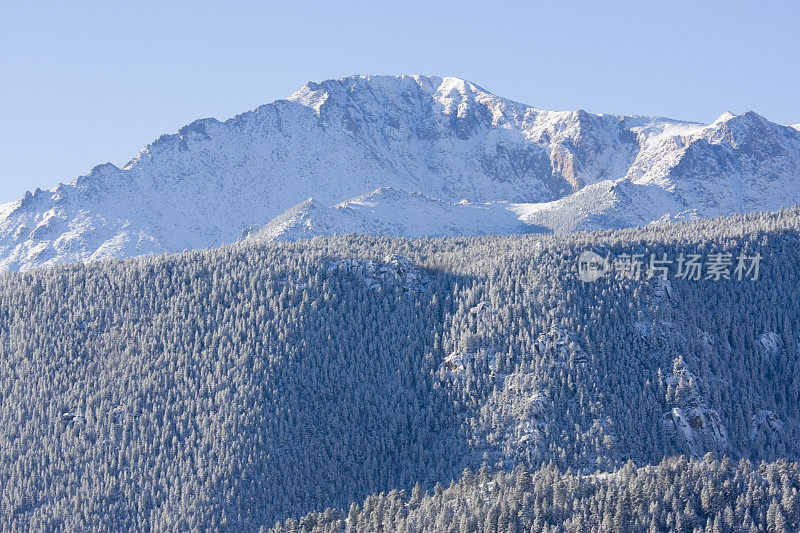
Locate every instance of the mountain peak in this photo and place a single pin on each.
(748, 117)
(724, 117)
(752, 117)
(746, 130)
(441, 139)
(398, 83)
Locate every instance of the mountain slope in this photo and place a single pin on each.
(394, 213)
(444, 138)
(226, 389)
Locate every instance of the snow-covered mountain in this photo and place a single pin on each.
(416, 147)
(396, 213)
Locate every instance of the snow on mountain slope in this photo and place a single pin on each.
(394, 213)
(739, 163)
(444, 138)
(604, 205)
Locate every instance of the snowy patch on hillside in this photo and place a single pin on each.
(394, 270)
(771, 342)
(396, 213)
(563, 345)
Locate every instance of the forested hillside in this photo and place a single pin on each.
(232, 388)
(675, 495)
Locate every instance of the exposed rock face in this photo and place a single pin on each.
(394, 270)
(766, 421)
(697, 423)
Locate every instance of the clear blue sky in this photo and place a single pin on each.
(83, 83)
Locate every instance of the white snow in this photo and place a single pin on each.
(392, 212)
(771, 341)
(396, 155)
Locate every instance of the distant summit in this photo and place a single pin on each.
(432, 142)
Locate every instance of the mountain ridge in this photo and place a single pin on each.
(444, 138)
